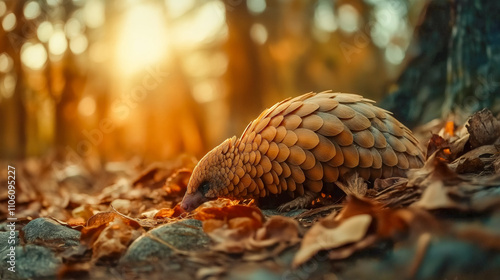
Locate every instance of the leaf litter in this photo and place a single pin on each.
(115, 204)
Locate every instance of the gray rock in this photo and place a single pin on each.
(46, 231)
(186, 235)
(31, 261)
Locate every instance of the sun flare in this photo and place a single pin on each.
(142, 39)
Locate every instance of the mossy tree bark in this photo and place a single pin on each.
(456, 68)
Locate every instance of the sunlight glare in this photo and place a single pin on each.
(33, 55)
(204, 25)
(142, 40)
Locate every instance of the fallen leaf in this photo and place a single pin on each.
(436, 143)
(176, 184)
(325, 236)
(97, 223)
(230, 212)
(475, 160)
(483, 128)
(435, 197)
(354, 185)
(276, 229)
(169, 212)
(449, 128)
(114, 239)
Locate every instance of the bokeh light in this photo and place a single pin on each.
(32, 10)
(94, 13)
(33, 56)
(6, 63)
(58, 43)
(45, 31)
(256, 6)
(324, 17)
(8, 84)
(348, 18)
(258, 32)
(78, 44)
(206, 24)
(3, 8)
(9, 22)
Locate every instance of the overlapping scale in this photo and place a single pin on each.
(301, 143)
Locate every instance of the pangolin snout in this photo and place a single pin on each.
(192, 201)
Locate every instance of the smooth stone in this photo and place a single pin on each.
(46, 231)
(186, 235)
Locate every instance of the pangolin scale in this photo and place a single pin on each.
(302, 144)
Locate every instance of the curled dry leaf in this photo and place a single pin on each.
(276, 229)
(436, 143)
(114, 239)
(358, 225)
(383, 185)
(476, 160)
(176, 184)
(239, 229)
(228, 213)
(435, 168)
(326, 235)
(97, 223)
(83, 211)
(354, 185)
(230, 225)
(483, 128)
(175, 212)
(74, 223)
(436, 196)
(238, 237)
(152, 177)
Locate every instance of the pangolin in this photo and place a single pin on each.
(301, 145)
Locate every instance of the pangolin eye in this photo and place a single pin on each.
(204, 187)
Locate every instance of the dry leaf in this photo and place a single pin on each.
(324, 236)
(177, 211)
(114, 239)
(483, 128)
(354, 185)
(97, 223)
(239, 229)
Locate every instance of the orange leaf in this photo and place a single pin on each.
(97, 223)
(169, 212)
(450, 128)
(230, 212)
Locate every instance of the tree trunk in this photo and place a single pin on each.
(456, 67)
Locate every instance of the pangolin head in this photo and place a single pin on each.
(209, 177)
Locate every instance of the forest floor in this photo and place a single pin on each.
(121, 220)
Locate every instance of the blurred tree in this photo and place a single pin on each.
(456, 65)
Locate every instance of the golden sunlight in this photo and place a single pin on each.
(142, 39)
